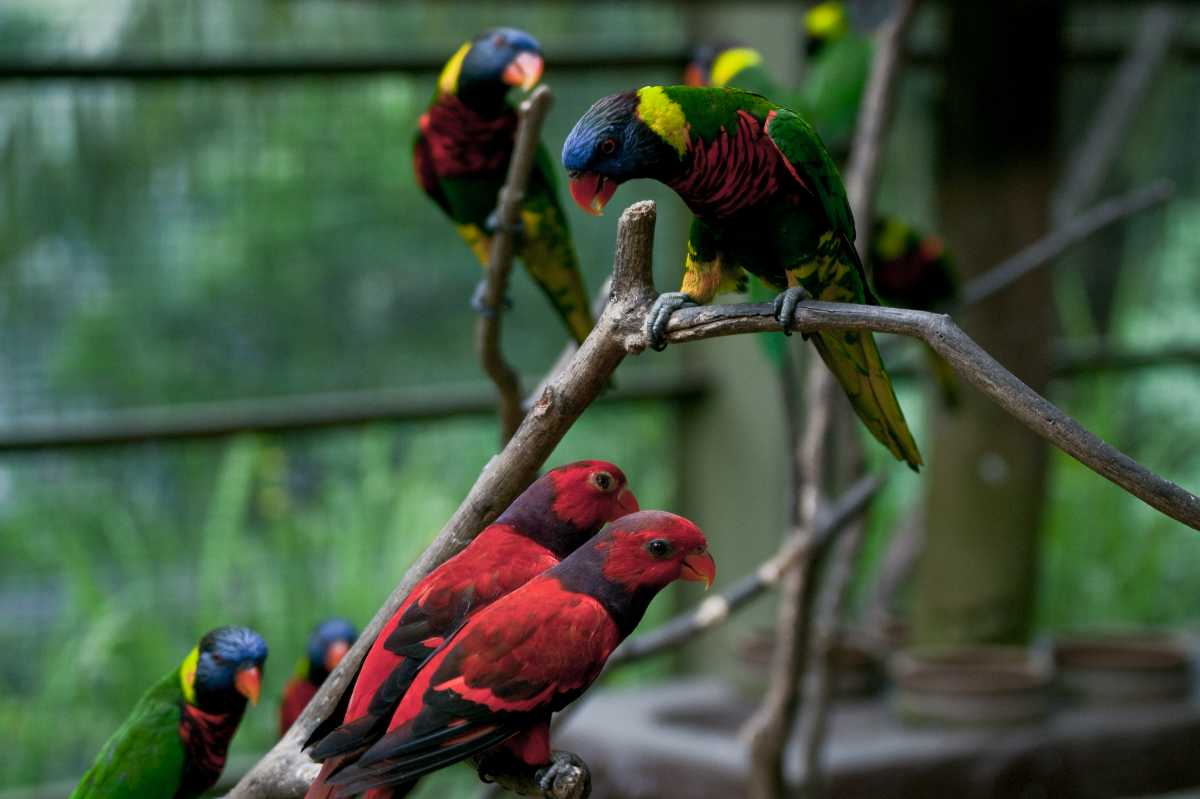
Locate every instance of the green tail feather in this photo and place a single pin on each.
(854, 360)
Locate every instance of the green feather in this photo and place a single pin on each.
(144, 757)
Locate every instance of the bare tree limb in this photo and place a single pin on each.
(1077, 228)
(531, 113)
(1093, 160)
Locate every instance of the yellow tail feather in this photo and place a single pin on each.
(854, 360)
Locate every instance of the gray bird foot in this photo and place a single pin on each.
(567, 777)
(493, 223)
(785, 306)
(479, 301)
(660, 314)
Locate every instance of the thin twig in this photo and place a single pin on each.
(531, 113)
(1093, 159)
(1066, 235)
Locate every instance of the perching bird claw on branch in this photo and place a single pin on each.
(479, 303)
(785, 306)
(660, 315)
(566, 777)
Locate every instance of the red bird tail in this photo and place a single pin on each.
(320, 789)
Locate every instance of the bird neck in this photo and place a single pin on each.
(205, 738)
(464, 141)
(737, 170)
(583, 573)
(532, 515)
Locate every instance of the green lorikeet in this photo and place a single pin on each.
(174, 742)
(461, 157)
(837, 67)
(767, 200)
(327, 645)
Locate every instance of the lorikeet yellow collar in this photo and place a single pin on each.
(731, 62)
(448, 80)
(663, 116)
(187, 675)
(826, 21)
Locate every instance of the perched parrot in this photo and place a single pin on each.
(327, 645)
(731, 64)
(173, 744)
(461, 156)
(561, 510)
(910, 269)
(497, 680)
(767, 200)
(836, 70)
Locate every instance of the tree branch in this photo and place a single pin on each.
(531, 113)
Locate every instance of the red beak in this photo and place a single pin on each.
(694, 76)
(627, 502)
(334, 654)
(525, 71)
(592, 192)
(248, 683)
(699, 566)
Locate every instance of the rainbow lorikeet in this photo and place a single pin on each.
(837, 67)
(327, 645)
(174, 742)
(561, 510)
(497, 680)
(731, 64)
(461, 156)
(767, 200)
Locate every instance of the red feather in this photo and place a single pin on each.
(296, 696)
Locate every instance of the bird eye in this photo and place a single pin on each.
(498, 40)
(659, 548)
(608, 146)
(603, 481)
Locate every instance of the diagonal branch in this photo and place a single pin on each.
(531, 113)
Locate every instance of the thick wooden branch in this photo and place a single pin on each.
(531, 113)
(969, 360)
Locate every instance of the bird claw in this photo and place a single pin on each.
(660, 314)
(567, 777)
(493, 223)
(785, 306)
(479, 301)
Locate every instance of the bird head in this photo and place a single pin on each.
(718, 64)
(328, 644)
(636, 134)
(485, 68)
(569, 504)
(224, 670)
(824, 24)
(653, 548)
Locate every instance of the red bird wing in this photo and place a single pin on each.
(497, 562)
(296, 695)
(504, 671)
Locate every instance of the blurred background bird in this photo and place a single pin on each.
(174, 742)
(327, 645)
(461, 157)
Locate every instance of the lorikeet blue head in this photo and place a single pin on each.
(611, 144)
(485, 68)
(327, 645)
(225, 669)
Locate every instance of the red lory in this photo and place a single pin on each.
(173, 744)
(549, 520)
(496, 681)
(461, 157)
(767, 200)
(327, 645)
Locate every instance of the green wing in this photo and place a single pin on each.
(144, 757)
(811, 163)
(547, 251)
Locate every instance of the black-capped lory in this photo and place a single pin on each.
(549, 520)
(174, 742)
(461, 157)
(767, 200)
(496, 681)
(326, 647)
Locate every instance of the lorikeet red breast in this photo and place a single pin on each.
(497, 680)
(549, 520)
(767, 200)
(461, 156)
(327, 645)
(173, 744)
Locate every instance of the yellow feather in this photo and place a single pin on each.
(448, 80)
(187, 675)
(826, 21)
(730, 62)
(664, 116)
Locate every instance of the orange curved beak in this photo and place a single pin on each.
(592, 192)
(525, 71)
(248, 683)
(334, 654)
(699, 567)
(627, 502)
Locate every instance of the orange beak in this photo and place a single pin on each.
(627, 502)
(334, 654)
(525, 71)
(248, 683)
(699, 566)
(592, 192)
